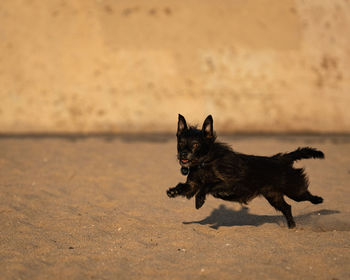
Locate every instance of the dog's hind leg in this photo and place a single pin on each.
(306, 196)
(278, 202)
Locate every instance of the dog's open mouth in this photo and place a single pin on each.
(185, 161)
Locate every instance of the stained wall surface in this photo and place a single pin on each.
(132, 66)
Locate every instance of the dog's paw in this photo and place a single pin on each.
(316, 200)
(291, 224)
(172, 192)
(199, 201)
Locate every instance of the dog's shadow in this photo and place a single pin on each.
(225, 217)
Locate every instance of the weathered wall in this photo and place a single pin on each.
(127, 66)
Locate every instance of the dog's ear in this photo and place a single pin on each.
(181, 125)
(207, 128)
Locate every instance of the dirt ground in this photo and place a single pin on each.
(96, 208)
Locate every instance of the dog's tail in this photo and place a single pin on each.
(299, 154)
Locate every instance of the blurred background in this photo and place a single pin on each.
(113, 66)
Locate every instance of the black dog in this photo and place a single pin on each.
(214, 168)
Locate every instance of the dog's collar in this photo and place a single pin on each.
(201, 164)
(186, 170)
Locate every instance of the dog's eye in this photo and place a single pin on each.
(182, 143)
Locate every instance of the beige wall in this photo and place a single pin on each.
(131, 66)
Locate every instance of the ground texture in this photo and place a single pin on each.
(96, 208)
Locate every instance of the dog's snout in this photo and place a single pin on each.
(183, 154)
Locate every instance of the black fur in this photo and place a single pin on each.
(214, 168)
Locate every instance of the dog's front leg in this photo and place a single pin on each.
(200, 199)
(180, 189)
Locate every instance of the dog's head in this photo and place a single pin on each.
(193, 144)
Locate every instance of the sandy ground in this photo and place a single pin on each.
(96, 208)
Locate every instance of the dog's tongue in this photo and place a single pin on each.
(184, 160)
